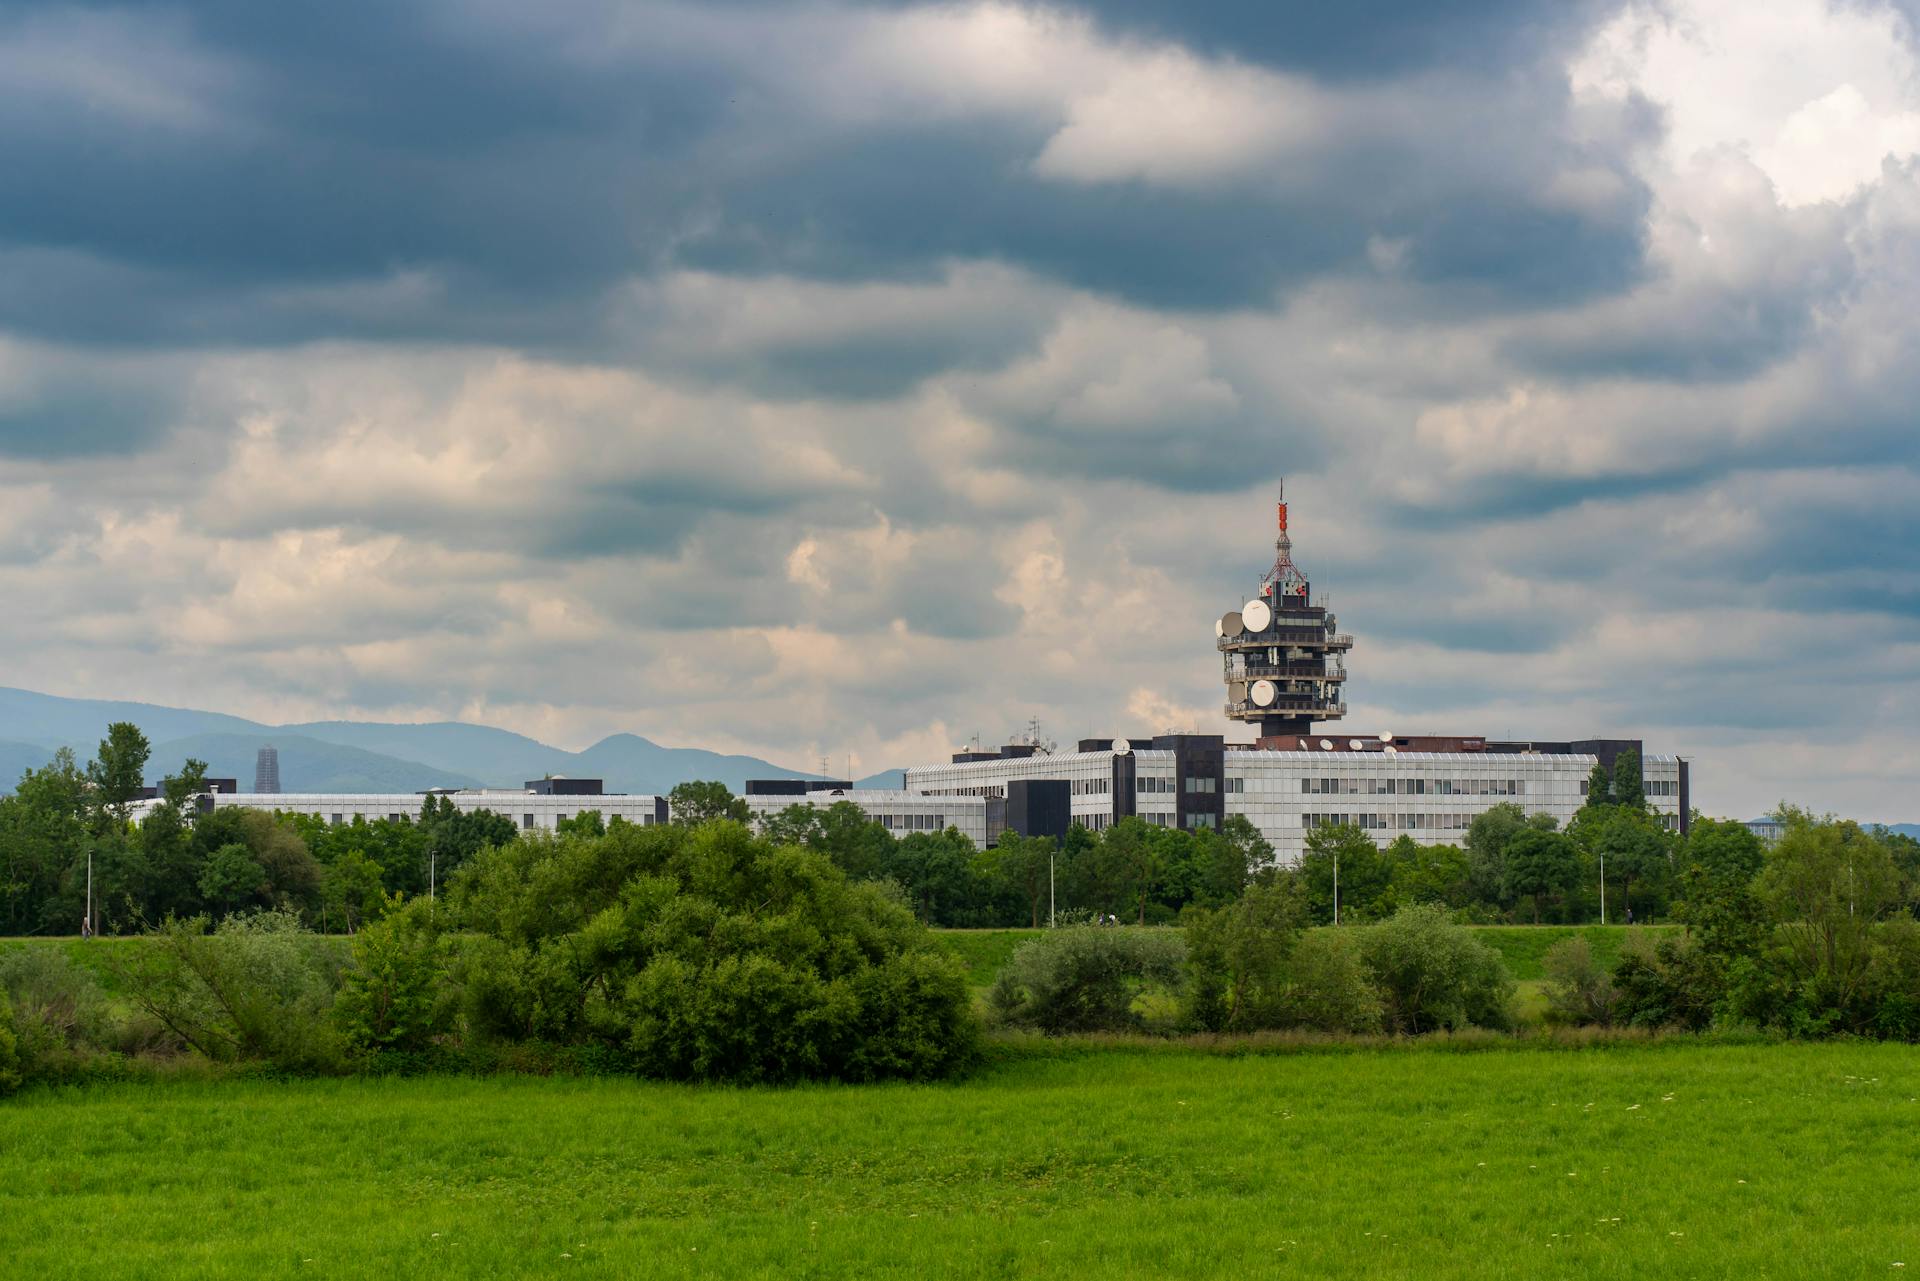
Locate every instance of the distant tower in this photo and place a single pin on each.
(266, 772)
(1284, 659)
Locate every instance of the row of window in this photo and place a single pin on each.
(1413, 786)
(1661, 787)
(1092, 786)
(914, 822)
(1195, 784)
(1393, 822)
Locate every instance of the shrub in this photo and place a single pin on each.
(395, 995)
(1432, 974)
(1329, 987)
(705, 953)
(10, 1072)
(1579, 992)
(1238, 958)
(258, 988)
(1676, 983)
(1085, 979)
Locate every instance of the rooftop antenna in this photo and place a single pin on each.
(1285, 577)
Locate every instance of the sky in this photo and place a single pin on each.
(845, 380)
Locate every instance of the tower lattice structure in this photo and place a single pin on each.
(1283, 657)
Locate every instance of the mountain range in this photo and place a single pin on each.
(359, 756)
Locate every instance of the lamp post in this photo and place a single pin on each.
(1336, 886)
(86, 926)
(1603, 887)
(1050, 853)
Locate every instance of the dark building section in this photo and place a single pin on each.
(566, 786)
(1686, 799)
(1040, 807)
(1125, 771)
(796, 786)
(1199, 777)
(227, 786)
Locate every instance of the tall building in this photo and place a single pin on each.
(266, 772)
(1283, 656)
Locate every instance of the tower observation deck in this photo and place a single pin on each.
(1283, 657)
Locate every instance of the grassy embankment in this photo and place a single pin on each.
(1522, 947)
(1671, 1159)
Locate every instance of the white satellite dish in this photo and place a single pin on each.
(1354, 745)
(1121, 747)
(1262, 693)
(1325, 746)
(1220, 627)
(1386, 738)
(1230, 623)
(1256, 614)
(1391, 750)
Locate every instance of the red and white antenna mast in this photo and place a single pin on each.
(1285, 578)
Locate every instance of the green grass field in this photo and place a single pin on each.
(1669, 1159)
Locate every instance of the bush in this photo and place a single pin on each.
(1675, 983)
(259, 988)
(1579, 992)
(1330, 989)
(1432, 974)
(1238, 956)
(10, 1071)
(1085, 979)
(395, 996)
(706, 953)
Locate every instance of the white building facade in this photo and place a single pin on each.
(1196, 782)
(977, 817)
(528, 810)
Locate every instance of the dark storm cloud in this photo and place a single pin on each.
(382, 172)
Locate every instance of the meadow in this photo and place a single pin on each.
(1676, 1158)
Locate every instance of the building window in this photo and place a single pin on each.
(339, 819)
(526, 821)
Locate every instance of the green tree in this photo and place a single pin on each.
(395, 995)
(1632, 844)
(1539, 865)
(1628, 789)
(118, 771)
(692, 804)
(352, 890)
(1020, 865)
(1826, 883)
(232, 880)
(1086, 978)
(44, 836)
(1427, 873)
(1487, 838)
(1345, 855)
(1238, 959)
(1599, 786)
(1433, 974)
(936, 869)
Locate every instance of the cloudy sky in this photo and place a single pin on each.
(828, 378)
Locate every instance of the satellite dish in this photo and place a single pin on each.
(1121, 747)
(1220, 627)
(1256, 614)
(1262, 693)
(1391, 750)
(1386, 738)
(1354, 744)
(1230, 623)
(1325, 746)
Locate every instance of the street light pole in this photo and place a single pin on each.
(1603, 887)
(1336, 887)
(87, 930)
(1050, 854)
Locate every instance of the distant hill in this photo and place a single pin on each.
(365, 756)
(306, 764)
(1906, 829)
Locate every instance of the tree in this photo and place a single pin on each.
(692, 804)
(1628, 791)
(1599, 786)
(1343, 854)
(1085, 979)
(44, 836)
(119, 770)
(1238, 958)
(1020, 865)
(936, 869)
(352, 890)
(165, 837)
(1826, 883)
(232, 880)
(1433, 974)
(1427, 873)
(1487, 838)
(1633, 846)
(1539, 864)
(705, 953)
